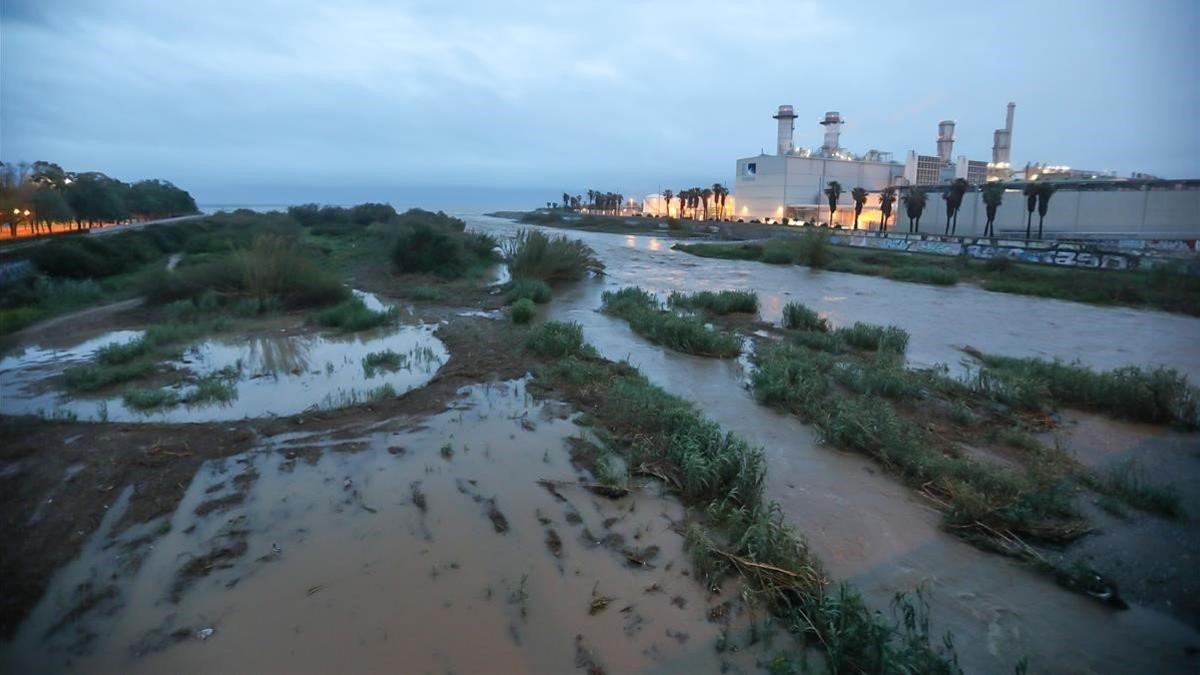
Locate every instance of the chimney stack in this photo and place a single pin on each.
(833, 131)
(945, 140)
(787, 124)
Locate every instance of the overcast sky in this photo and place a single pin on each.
(491, 103)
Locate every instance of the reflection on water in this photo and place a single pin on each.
(275, 374)
(939, 319)
(346, 569)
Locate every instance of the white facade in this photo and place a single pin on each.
(774, 187)
(1164, 210)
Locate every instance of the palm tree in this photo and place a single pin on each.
(667, 195)
(1045, 192)
(886, 198)
(834, 192)
(993, 194)
(566, 200)
(859, 196)
(958, 190)
(1031, 200)
(705, 195)
(719, 193)
(914, 206)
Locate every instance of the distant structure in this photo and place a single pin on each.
(1000, 168)
(787, 124)
(791, 184)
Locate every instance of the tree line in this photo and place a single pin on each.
(40, 195)
(597, 200)
(915, 199)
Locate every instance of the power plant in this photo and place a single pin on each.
(791, 183)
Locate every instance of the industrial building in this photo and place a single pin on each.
(791, 183)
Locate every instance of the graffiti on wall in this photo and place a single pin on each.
(1063, 255)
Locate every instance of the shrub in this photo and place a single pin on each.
(556, 339)
(423, 293)
(353, 315)
(875, 338)
(522, 311)
(422, 247)
(91, 377)
(1128, 481)
(385, 360)
(687, 334)
(813, 250)
(533, 289)
(998, 264)
(534, 255)
(937, 276)
(151, 399)
(778, 255)
(1159, 395)
(723, 302)
(798, 317)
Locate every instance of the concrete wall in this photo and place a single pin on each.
(1152, 213)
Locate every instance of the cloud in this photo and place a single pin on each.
(621, 95)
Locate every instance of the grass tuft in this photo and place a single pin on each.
(721, 303)
(353, 315)
(522, 311)
(684, 333)
(532, 254)
(534, 289)
(798, 317)
(556, 339)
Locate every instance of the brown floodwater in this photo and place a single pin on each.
(273, 373)
(426, 549)
(869, 529)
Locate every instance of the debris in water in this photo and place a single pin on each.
(584, 659)
(599, 602)
(205, 633)
(499, 522)
(554, 543)
(313, 590)
(396, 450)
(418, 497)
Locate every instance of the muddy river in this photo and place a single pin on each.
(429, 546)
(271, 373)
(868, 528)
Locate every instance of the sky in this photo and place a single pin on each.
(507, 104)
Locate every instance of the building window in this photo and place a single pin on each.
(751, 169)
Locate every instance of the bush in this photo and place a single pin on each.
(723, 302)
(798, 317)
(533, 255)
(353, 315)
(522, 311)
(556, 339)
(875, 338)
(778, 255)
(814, 250)
(151, 399)
(533, 289)
(1159, 395)
(687, 334)
(937, 276)
(435, 243)
(998, 264)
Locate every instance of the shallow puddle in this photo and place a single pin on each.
(432, 548)
(271, 374)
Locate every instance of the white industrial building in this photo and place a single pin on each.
(791, 184)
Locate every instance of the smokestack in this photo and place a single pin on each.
(833, 130)
(1002, 140)
(787, 124)
(945, 140)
